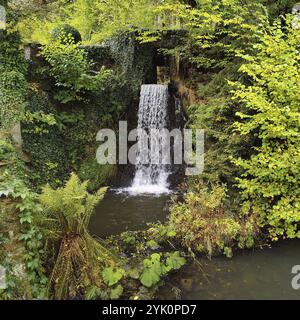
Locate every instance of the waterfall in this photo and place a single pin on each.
(153, 114)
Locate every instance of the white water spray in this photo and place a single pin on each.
(151, 178)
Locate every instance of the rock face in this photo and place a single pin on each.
(16, 134)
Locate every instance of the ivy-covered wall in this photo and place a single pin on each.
(13, 68)
(137, 61)
(43, 143)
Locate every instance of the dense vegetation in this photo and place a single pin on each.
(241, 84)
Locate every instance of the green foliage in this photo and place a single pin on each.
(278, 8)
(65, 30)
(218, 37)
(270, 183)
(79, 127)
(71, 206)
(32, 237)
(93, 293)
(43, 142)
(40, 120)
(65, 119)
(135, 60)
(71, 69)
(122, 16)
(146, 261)
(111, 276)
(113, 290)
(116, 292)
(68, 145)
(216, 29)
(12, 76)
(7, 150)
(79, 258)
(203, 224)
(154, 268)
(19, 206)
(215, 113)
(174, 261)
(96, 20)
(26, 205)
(97, 175)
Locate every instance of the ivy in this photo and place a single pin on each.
(28, 207)
(40, 120)
(13, 68)
(43, 141)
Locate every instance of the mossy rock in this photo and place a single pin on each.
(97, 175)
(67, 30)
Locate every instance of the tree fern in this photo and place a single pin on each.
(79, 258)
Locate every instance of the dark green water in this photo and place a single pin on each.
(261, 274)
(257, 274)
(120, 212)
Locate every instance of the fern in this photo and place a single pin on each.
(79, 258)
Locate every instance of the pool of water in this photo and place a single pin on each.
(120, 211)
(255, 274)
(261, 274)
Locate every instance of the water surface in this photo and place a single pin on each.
(119, 212)
(250, 274)
(261, 274)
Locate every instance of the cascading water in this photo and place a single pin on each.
(151, 175)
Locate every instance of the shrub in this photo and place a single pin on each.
(71, 69)
(270, 183)
(202, 223)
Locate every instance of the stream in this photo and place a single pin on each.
(250, 274)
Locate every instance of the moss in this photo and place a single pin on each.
(98, 175)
